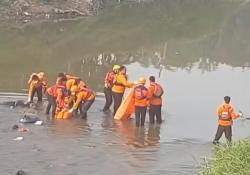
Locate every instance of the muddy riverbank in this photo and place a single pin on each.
(32, 10)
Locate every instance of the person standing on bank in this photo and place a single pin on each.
(155, 92)
(119, 86)
(225, 115)
(141, 102)
(108, 84)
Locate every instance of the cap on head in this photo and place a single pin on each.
(227, 99)
(142, 80)
(116, 67)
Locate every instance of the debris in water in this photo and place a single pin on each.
(29, 118)
(39, 123)
(18, 139)
(19, 129)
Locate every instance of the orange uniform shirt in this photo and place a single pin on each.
(120, 83)
(153, 100)
(81, 96)
(226, 109)
(70, 83)
(58, 92)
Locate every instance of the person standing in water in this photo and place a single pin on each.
(37, 85)
(120, 84)
(108, 84)
(155, 101)
(225, 115)
(141, 102)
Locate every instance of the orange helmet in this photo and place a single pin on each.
(142, 80)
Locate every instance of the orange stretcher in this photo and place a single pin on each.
(63, 115)
(127, 108)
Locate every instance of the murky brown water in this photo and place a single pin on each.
(198, 56)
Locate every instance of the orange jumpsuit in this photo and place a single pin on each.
(141, 103)
(120, 84)
(225, 115)
(155, 104)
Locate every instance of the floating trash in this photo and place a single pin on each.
(39, 123)
(18, 139)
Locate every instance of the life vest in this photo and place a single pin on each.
(53, 90)
(158, 91)
(226, 114)
(139, 92)
(109, 79)
(87, 90)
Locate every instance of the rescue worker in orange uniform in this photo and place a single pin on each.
(108, 84)
(119, 86)
(43, 81)
(71, 81)
(225, 115)
(56, 95)
(84, 98)
(37, 85)
(155, 101)
(141, 102)
(34, 87)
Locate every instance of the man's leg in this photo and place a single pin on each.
(219, 133)
(228, 134)
(151, 115)
(117, 101)
(143, 115)
(137, 116)
(39, 92)
(85, 107)
(108, 96)
(158, 114)
(49, 104)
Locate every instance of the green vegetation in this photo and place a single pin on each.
(230, 160)
(5, 2)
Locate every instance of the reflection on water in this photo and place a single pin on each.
(74, 128)
(171, 34)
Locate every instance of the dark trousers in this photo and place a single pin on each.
(85, 107)
(140, 115)
(39, 92)
(51, 103)
(117, 101)
(108, 96)
(224, 129)
(155, 111)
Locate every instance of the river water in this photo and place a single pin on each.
(198, 50)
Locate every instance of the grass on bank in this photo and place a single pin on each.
(229, 160)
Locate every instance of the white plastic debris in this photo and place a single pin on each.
(39, 122)
(18, 138)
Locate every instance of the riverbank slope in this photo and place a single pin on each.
(233, 159)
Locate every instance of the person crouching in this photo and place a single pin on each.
(85, 97)
(55, 95)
